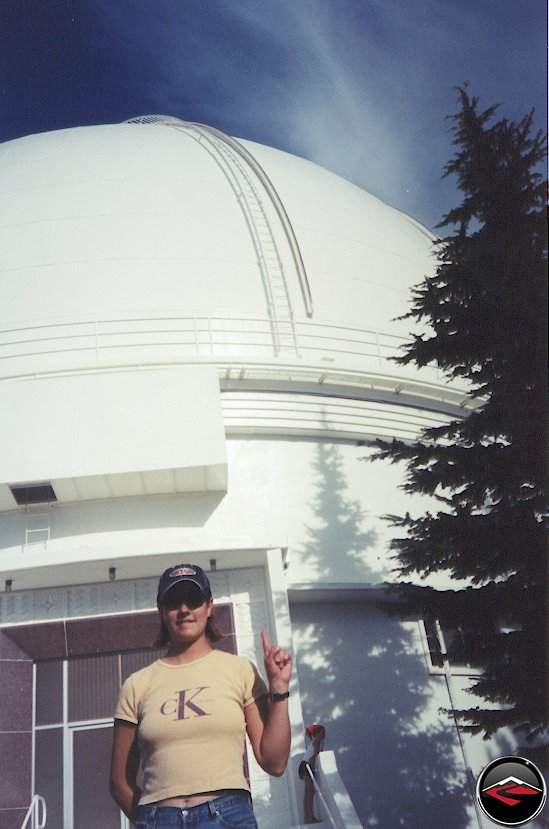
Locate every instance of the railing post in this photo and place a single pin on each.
(378, 349)
(36, 813)
(210, 335)
(96, 338)
(196, 343)
(39, 820)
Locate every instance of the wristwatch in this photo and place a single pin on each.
(278, 697)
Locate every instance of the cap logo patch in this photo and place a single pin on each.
(183, 571)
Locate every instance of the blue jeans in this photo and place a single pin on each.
(232, 811)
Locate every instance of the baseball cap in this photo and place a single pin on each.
(183, 572)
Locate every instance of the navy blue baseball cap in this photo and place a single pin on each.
(183, 572)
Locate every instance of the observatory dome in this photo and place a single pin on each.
(157, 240)
(154, 216)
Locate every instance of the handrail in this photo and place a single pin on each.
(197, 333)
(470, 779)
(329, 350)
(339, 804)
(36, 813)
(321, 797)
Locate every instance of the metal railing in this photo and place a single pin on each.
(187, 336)
(335, 797)
(320, 797)
(36, 814)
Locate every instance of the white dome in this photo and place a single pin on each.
(156, 240)
(142, 217)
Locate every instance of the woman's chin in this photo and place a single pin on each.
(187, 632)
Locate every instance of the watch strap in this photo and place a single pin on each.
(278, 697)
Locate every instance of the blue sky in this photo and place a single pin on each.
(359, 86)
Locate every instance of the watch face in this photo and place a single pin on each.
(511, 791)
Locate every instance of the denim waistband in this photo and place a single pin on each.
(151, 812)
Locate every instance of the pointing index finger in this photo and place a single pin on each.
(265, 640)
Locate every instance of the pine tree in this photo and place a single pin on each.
(486, 312)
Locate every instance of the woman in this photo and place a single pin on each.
(184, 718)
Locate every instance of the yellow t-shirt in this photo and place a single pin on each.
(191, 726)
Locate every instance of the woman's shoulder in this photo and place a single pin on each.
(230, 658)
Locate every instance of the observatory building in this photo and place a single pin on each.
(196, 336)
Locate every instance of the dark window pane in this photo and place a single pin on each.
(94, 683)
(94, 808)
(49, 692)
(466, 645)
(49, 773)
(135, 660)
(433, 642)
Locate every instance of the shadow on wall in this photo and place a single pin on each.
(361, 675)
(337, 545)
(362, 678)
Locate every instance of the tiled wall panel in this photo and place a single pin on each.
(15, 733)
(15, 769)
(11, 818)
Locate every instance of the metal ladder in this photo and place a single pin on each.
(243, 182)
(37, 527)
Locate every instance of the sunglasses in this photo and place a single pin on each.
(187, 594)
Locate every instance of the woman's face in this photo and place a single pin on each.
(186, 613)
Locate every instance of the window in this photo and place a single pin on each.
(457, 647)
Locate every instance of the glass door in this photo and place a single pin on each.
(74, 702)
(92, 805)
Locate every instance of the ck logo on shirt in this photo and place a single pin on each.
(185, 705)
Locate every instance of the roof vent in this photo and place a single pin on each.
(27, 494)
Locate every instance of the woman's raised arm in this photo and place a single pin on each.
(267, 721)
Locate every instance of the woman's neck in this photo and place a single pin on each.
(179, 654)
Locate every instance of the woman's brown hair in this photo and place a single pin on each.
(213, 632)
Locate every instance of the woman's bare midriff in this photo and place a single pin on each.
(193, 799)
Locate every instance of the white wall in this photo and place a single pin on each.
(76, 426)
(363, 676)
(319, 499)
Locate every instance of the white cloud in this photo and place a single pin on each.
(359, 86)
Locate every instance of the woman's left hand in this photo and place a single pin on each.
(278, 665)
